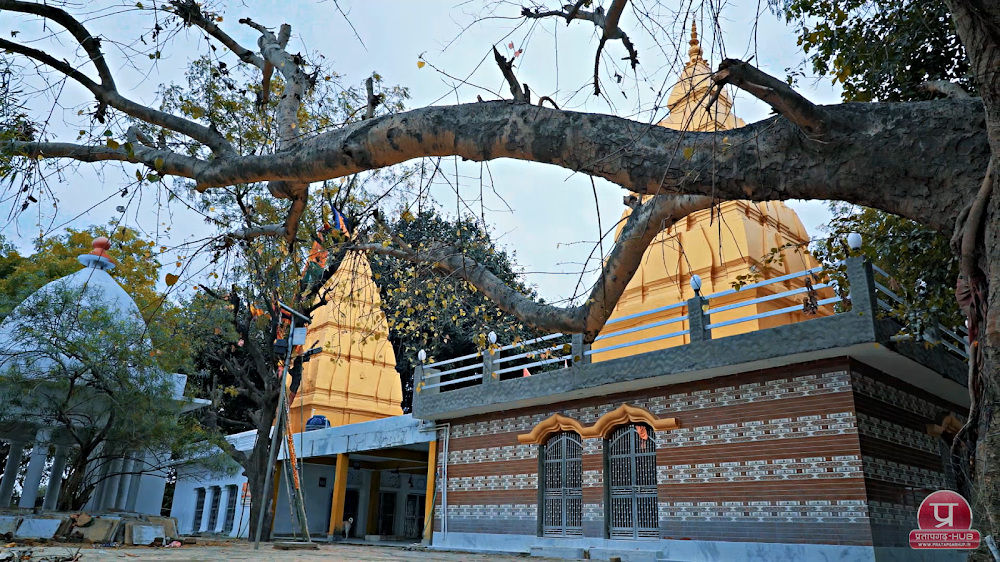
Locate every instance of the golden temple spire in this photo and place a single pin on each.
(695, 51)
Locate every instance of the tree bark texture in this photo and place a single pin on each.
(921, 160)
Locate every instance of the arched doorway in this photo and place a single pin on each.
(563, 492)
(630, 479)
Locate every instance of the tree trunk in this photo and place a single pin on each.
(75, 491)
(256, 472)
(978, 25)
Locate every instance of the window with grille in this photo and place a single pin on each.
(213, 516)
(562, 496)
(199, 509)
(632, 512)
(227, 525)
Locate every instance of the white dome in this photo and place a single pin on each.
(96, 290)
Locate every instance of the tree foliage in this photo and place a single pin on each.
(444, 316)
(921, 264)
(879, 50)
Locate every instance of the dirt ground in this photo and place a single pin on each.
(244, 551)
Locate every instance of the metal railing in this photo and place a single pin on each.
(553, 349)
(954, 340)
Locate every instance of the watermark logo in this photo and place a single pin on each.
(945, 521)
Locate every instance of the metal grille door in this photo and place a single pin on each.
(563, 494)
(632, 481)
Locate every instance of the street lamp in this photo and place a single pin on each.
(422, 355)
(493, 337)
(696, 285)
(854, 241)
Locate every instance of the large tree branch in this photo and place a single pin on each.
(920, 160)
(106, 92)
(809, 117)
(643, 225)
(90, 44)
(165, 162)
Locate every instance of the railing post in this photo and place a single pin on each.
(418, 377)
(488, 377)
(579, 350)
(697, 319)
(862, 280)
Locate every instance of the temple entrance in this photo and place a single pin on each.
(351, 511)
(563, 468)
(413, 525)
(631, 479)
(387, 514)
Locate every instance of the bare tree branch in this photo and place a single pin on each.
(165, 162)
(106, 92)
(608, 23)
(642, 226)
(507, 68)
(190, 12)
(809, 117)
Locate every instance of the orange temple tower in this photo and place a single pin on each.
(354, 378)
(719, 249)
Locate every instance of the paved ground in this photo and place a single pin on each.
(266, 553)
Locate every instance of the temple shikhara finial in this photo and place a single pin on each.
(695, 51)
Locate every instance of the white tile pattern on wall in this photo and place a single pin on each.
(887, 431)
(897, 473)
(778, 389)
(892, 395)
(817, 511)
(760, 430)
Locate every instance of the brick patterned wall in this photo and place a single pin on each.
(902, 463)
(768, 456)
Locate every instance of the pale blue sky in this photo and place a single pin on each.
(552, 209)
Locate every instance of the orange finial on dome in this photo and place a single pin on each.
(101, 246)
(98, 257)
(695, 51)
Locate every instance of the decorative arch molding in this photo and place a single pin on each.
(628, 414)
(555, 423)
(602, 427)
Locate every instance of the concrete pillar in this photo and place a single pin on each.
(489, 374)
(428, 530)
(339, 494)
(102, 480)
(697, 320)
(374, 487)
(51, 500)
(220, 519)
(111, 484)
(36, 466)
(121, 497)
(10, 472)
(580, 350)
(859, 274)
(206, 510)
(138, 465)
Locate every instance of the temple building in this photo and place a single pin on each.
(737, 241)
(360, 459)
(733, 408)
(354, 378)
(123, 480)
